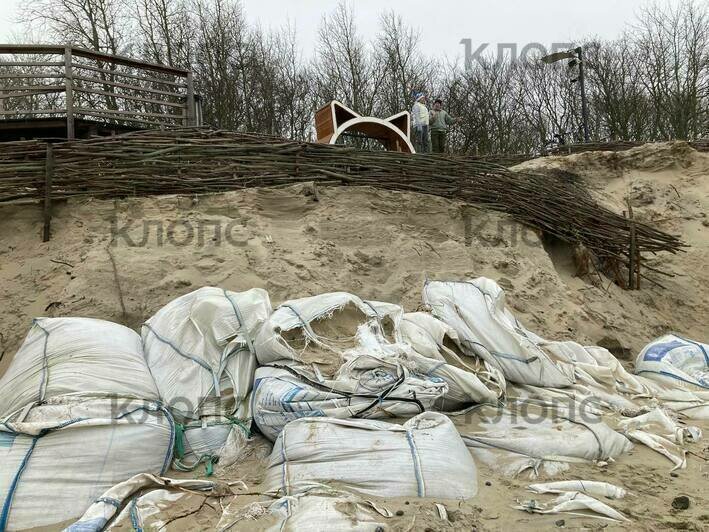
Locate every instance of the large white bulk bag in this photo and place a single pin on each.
(199, 349)
(477, 311)
(318, 330)
(677, 361)
(63, 456)
(281, 396)
(400, 384)
(524, 436)
(425, 457)
(78, 356)
(469, 381)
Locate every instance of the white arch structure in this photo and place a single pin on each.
(335, 119)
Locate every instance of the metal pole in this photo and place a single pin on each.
(584, 103)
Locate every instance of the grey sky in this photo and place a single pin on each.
(442, 23)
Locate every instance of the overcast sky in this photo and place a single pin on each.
(443, 23)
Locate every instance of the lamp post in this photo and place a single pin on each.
(576, 55)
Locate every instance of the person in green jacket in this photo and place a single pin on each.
(439, 122)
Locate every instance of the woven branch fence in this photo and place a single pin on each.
(199, 161)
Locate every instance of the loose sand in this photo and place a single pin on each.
(383, 245)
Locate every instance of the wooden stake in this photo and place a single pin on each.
(48, 174)
(633, 249)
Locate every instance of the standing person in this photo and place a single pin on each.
(440, 120)
(419, 119)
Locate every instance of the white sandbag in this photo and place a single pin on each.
(343, 512)
(78, 356)
(152, 507)
(280, 396)
(589, 487)
(350, 358)
(199, 349)
(369, 387)
(425, 457)
(677, 396)
(477, 311)
(675, 360)
(574, 503)
(318, 330)
(514, 441)
(426, 334)
(469, 381)
(209, 441)
(658, 421)
(64, 455)
(314, 511)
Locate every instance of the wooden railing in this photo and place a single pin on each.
(48, 81)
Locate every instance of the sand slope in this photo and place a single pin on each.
(382, 245)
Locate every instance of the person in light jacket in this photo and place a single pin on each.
(440, 121)
(419, 121)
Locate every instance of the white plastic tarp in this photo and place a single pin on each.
(77, 356)
(425, 457)
(477, 311)
(63, 456)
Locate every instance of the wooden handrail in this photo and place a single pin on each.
(90, 54)
(141, 82)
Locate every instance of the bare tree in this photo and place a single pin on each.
(672, 44)
(165, 31)
(100, 25)
(404, 68)
(343, 68)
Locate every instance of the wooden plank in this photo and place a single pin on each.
(31, 76)
(31, 63)
(47, 89)
(31, 49)
(127, 97)
(87, 111)
(33, 112)
(30, 87)
(90, 54)
(48, 175)
(80, 66)
(128, 86)
(106, 116)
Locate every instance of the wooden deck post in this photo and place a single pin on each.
(191, 116)
(69, 93)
